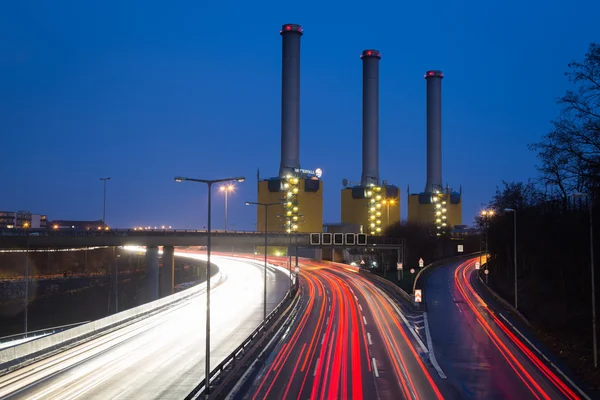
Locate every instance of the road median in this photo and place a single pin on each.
(24, 354)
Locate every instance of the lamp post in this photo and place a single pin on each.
(226, 189)
(389, 202)
(26, 286)
(296, 268)
(595, 341)
(515, 250)
(207, 356)
(487, 214)
(290, 260)
(266, 205)
(104, 208)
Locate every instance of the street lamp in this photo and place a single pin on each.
(515, 239)
(104, 208)
(266, 205)
(209, 183)
(389, 202)
(486, 214)
(226, 189)
(595, 342)
(26, 286)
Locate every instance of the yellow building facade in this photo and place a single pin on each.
(301, 204)
(439, 209)
(369, 208)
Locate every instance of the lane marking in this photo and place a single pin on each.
(356, 298)
(364, 319)
(329, 308)
(359, 306)
(316, 366)
(430, 346)
(323, 340)
(581, 392)
(412, 331)
(369, 338)
(375, 371)
(327, 322)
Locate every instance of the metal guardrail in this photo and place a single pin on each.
(40, 332)
(125, 232)
(242, 348)
(389, 284)
(503, 301)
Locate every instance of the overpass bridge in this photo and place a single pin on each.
(55, 238)
(168, 239)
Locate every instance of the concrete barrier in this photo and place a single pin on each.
(26, 353)
(392, 286)
(441, 262)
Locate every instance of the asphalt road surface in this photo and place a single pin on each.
(478, 349)
(159, 357)
(348, 341)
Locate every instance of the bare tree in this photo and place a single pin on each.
(570, 153)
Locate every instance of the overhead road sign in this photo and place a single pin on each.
(361, 239)
(338, 239)
(350, 239)
(315, 239)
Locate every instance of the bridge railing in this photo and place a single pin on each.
(124, 232)
(371, 240)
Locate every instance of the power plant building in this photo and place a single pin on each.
(436, 204)
(372, 204)
(299, 191)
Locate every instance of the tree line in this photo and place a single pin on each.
(552, 223)
(553, 220)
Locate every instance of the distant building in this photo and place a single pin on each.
(342, 227)
(76, 225)
(7, 219)
(464, 230)
(21, 220)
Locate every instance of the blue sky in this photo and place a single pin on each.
(142, 91)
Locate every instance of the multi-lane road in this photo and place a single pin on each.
(349, 338)
(159, 357)
(483, 354)
(348, 341)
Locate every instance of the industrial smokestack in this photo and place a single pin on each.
(370, 127)
(290, 99)
(434, 131)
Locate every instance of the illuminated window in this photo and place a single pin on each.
(291, 189)
(374, 210)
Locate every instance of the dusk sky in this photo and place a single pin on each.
(144, 91)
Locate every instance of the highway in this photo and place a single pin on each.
(347, 341)
(478, 349)
(159, 357)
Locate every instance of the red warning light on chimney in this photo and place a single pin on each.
(370, 53)
(291, 28)
(434, 73)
